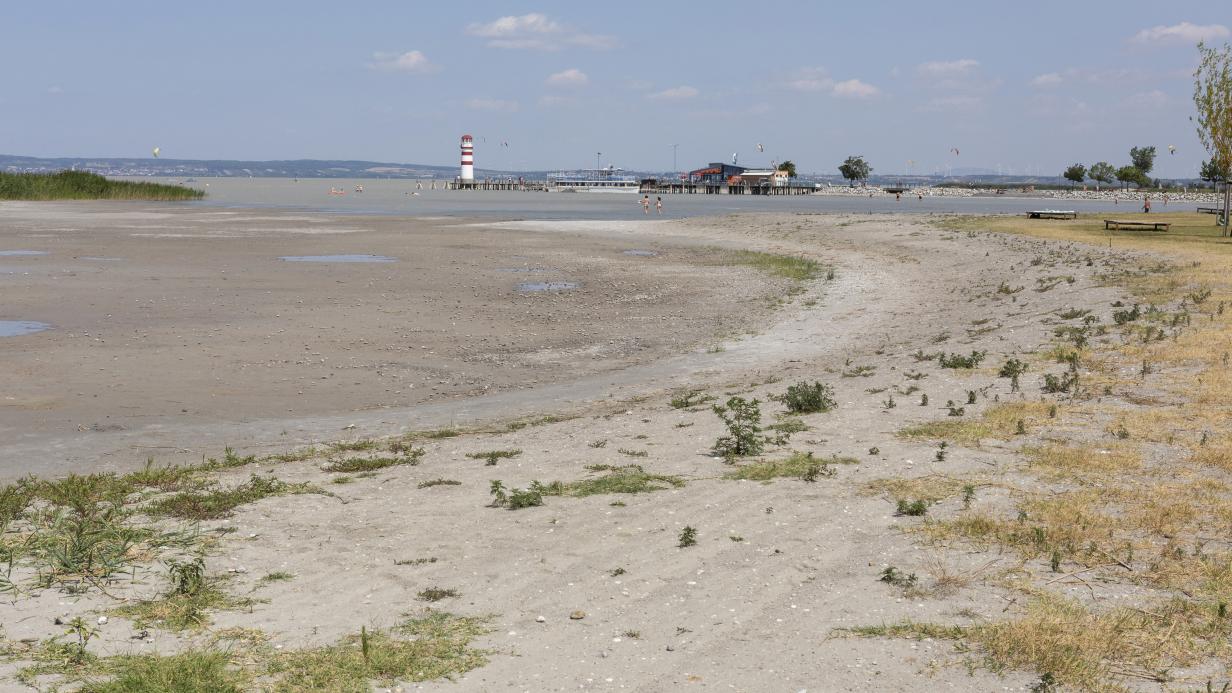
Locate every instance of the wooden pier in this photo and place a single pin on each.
(518, 185)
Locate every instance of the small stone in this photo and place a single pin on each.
(102, 620)
(578, 615)
(671, 648)
(541, 619)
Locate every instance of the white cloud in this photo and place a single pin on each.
(535, 31)
(953, 104)
(1181, 33)
(410, 61)
(947, 69)
(818, 79)
(1049, 79)
(674, 94)
(492, 105)
(811, 79)
(568, 79)
(855, 89)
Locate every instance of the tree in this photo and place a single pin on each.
(855, 168)
(790, 167)
(1132, 174)
(1143, 158)
(1101, 172)
(1213, 101)
(1213, 172)
(1076, 173)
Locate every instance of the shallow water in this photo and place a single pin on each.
(641, 253)
(22, 253)
(17, 328)
(547, 286)
(338, 258)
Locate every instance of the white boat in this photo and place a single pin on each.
(604, 180)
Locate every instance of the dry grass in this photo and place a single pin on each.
(999, 422)
(1100, 518)
(932, 488)
(1081, 461)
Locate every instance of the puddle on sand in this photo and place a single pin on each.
(338, 258)
(17, 328)
(641, 253)
(15, 253)
(547, 286)
(528, 270)
(97, 258)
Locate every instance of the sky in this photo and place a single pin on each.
(1024, 88)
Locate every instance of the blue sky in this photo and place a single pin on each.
(1021, 86)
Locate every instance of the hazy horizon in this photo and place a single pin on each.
(1027, 90)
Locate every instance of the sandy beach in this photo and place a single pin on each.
(583, 593)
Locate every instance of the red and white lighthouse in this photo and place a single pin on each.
(468, 159)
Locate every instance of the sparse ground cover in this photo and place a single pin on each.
(1121, 489)
(1048, 537)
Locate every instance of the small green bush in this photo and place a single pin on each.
(808, 398)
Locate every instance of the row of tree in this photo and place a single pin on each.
(1138, 172)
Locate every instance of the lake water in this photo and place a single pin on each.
(395, 197)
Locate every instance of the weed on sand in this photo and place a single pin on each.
(799, 465)
(436, 645)
(219, 502)
(186, 604)
(410, 456)
(999, 422)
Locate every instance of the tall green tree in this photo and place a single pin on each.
(1143, 158)
(1076, 173)
(1132, 174)
(790, 167)
(1213, 171)
(1213, 101)
(855, 168)
(1101, 172)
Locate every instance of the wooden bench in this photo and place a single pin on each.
(1052, 214)
(1154, 225)
(1210, 210)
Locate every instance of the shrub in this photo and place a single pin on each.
(742, 418)
(914, 508)
(688, 537)
(808, 398)
(959, 361)
(1122, 317)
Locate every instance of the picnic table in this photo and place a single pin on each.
(1052, 214)
(1119, 224)
(1210, 210)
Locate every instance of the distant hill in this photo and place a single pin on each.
(181, 168)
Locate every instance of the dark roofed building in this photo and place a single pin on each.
(715, 173)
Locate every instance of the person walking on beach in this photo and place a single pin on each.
(1146, 205)
(658, 204)
(645, 204)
